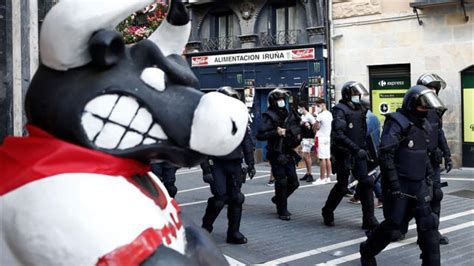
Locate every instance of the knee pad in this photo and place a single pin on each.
(340, 188)
(217, 202)
(437, 194)
(281, 182)
(238, 199)
(429, 222)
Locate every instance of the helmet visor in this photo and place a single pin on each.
(433, 81)
(358, 89)
(429, 100)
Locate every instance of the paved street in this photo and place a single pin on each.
(306, 241)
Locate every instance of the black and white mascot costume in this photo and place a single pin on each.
(77, 190)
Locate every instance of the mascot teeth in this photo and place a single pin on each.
(113, 121)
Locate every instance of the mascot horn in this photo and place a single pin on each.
(76, 191)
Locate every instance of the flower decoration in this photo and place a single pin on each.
(141, 24)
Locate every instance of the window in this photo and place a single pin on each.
(285, 28)
(224, 29)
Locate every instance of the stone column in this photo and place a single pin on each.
(18, 61)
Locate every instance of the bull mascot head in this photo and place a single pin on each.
(96, 101)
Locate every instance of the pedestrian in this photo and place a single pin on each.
(323, 126)
(348, 134)
(224, 174)
(438, 149)
(281, 129)
(405, 165)
(307, 123)
(167, 174)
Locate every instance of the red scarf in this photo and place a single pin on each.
(26, 159)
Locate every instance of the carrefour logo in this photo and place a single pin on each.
(384, 83)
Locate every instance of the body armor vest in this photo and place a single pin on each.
(356, 129)
(411, 156)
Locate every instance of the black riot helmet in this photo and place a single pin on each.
(353, 88)
(276, 95)
(421, 96)
(227, 90)
(431, 81)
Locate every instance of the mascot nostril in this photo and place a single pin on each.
(77, 190)
(234, 127)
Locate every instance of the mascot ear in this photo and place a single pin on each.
(106, 48)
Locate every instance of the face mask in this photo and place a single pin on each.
(281, 103)
(318, 110)
(355, 99)
(300, 111)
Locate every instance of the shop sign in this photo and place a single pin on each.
(387, 95)
(254, 57)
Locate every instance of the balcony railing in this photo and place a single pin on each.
(215, 44)
(279, 38)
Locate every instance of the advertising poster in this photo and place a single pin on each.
(387, 94)
(468, 108)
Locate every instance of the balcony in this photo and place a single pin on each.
(279, 38)
(222, 43)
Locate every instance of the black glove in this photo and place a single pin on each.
(361, 154)
(448, 164)
(208, 178)
(251, 171)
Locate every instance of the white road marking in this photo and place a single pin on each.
(250, 194)
(394, 245)
(457, 179)
(233, 262)
(351, 242)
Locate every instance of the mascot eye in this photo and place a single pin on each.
(120, 122)
(154, 77)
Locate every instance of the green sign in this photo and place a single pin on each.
(468, 108)
(387, 94)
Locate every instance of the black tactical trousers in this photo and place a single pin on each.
(395, 209)
(365, 189)
(225, 189)
(286, 182)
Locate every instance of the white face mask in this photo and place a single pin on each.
(281, 103)
(318, 110)
(300, 111)
(355, 99)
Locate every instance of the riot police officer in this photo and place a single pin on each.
(405, 164)
(348, 137)
(438, 148)
(224, 174)
(167, 174)
(281, 128)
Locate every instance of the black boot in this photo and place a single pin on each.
(365, 258)
(284, 215)
(328, 217)
(443, 240)
(213, 209)
(234, 214)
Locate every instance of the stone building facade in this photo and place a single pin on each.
(257, 46)
(378, 42)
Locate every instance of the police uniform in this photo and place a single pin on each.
(348, 134)
(405, 164)
(225, 186)
(167, 174)
(280, 151)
